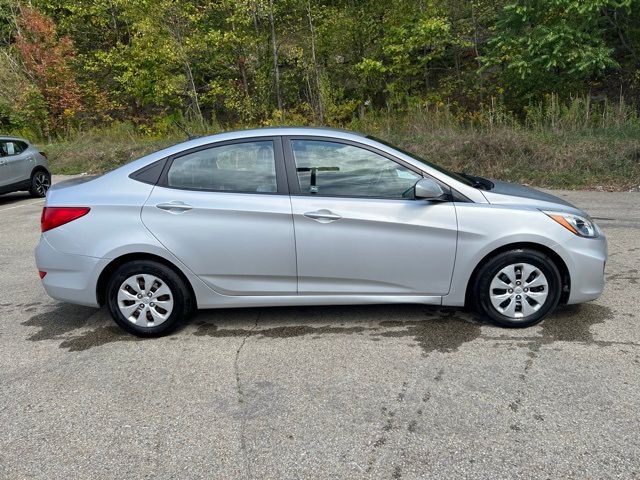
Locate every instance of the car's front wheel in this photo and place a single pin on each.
(518, 288)
(147, 298)
(40, 183)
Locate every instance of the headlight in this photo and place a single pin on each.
(581, 226)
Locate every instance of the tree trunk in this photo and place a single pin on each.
(194, 94)
(241, 66)
(276, 68)
(312, 29)
(175, 28)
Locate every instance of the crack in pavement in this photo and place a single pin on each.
(240, 396)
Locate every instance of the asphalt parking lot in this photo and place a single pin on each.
(397, 392)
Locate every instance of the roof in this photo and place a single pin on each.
(9, 137)
(282, 131)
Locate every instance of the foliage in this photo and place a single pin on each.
(574, 145)
(46, 59)
(549, 46)
(82, 64)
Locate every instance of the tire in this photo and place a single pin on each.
(133, 309)
(40, 183)
(498, 295)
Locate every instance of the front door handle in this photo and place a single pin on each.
(174, 207)
(323, 216)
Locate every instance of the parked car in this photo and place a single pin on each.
(301, 216)
(23, 167)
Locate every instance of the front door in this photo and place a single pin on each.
(358, 228)
(223, 210)
(13, 162)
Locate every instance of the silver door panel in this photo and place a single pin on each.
(238, 244)
(13, 169)
(374, 246)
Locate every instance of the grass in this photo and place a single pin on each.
(579, 146)
(575, 160)
(98, 151)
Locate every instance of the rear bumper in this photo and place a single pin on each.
(585, 258)
(70, 278)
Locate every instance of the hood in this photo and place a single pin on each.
(511, 193)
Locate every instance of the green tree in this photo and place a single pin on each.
(544, 46)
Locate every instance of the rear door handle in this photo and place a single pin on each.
(323, 216)
(174, 207)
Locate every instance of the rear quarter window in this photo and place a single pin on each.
(21, 147)
(151, 173)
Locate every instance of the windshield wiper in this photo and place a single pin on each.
(478, 182)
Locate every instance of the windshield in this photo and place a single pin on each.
(453, 175)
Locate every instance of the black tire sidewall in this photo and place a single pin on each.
(493, 266)
(181, 297)
(32, 188)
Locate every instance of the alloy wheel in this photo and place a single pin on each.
(41, 183)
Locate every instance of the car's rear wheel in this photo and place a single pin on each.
(40, 183)
(147, 298)
(517, 288)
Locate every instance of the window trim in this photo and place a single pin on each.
(292, 175)
(281, 175)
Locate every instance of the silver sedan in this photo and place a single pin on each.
(301, 216)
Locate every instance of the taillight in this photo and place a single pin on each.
(53, 217)
(42, 274)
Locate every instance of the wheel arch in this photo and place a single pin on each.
(39, 168)
(103, 278)
(557, 260)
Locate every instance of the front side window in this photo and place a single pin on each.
(337, 169)
(10, 147)
(248, 167)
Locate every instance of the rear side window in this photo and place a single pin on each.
(248, 167)
(20, 147)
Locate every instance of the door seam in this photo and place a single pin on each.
(295, 246)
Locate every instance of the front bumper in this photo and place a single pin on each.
(70, 278)
(585, 258)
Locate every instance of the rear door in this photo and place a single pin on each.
(358, 228)
(224, 211)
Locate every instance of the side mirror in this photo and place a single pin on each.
(428, 189)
